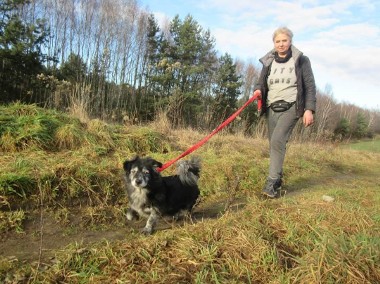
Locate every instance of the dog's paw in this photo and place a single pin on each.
(147, 231)
(183, 214)
(178, 216)
(131, 215)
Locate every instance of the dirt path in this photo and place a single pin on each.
(31, 246)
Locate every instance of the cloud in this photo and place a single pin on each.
(343, 51)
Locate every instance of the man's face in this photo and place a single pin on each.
(281, 44)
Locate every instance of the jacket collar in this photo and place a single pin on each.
(268, 58)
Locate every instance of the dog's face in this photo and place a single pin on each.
(139, 172)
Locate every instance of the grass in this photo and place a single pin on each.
(369, 146)
(70, 177)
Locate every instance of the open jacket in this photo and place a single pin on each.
(306, 90)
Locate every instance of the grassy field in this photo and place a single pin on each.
(370, 145)
(62, 201)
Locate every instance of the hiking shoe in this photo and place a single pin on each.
(272, 187)
(269, 192)
(277, 185)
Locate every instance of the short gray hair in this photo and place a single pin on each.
(283, 30)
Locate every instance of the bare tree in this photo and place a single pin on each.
(325, 121)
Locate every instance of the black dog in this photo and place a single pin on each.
(151, 195)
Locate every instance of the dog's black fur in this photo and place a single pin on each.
(151, 195)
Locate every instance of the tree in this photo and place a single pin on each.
(361, 129)
(343, 129)
(74, 69)
(324, 117)
(226, 90)
(249, 75)
(21, 56)
(184, 68)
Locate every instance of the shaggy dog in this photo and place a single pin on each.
(151, 195)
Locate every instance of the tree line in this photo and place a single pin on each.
(111, 60)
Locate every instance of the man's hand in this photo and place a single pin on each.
(308, 118)
(258, 93)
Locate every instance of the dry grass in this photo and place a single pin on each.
(296, 239)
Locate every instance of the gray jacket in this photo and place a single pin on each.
(306, 89)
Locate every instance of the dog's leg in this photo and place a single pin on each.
(131, 214)
(151, 222)
(181, 214)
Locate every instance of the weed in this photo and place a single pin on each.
(12, 221)
(69, 136)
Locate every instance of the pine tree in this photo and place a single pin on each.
(184, 69)
(226, 90)
(361, 129)
(74, 69)
(343, 129)
(21, 57)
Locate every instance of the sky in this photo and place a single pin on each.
(341, 38)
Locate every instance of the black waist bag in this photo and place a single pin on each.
(281, 106)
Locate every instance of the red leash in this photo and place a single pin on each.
(220, 127)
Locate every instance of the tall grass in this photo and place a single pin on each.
(24, 127)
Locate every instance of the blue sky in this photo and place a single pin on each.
(341, 38)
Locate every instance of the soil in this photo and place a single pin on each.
(43, 236)
(32, 246)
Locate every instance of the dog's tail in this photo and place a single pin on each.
(188, 170)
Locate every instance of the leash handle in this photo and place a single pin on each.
(216, 130)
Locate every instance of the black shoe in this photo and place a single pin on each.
(271, 188)
(278, 185)
(270, 192)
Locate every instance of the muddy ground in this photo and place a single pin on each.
(43, 236)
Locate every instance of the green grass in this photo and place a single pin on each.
(70, 178)
(370, 146)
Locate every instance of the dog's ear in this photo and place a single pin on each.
(127, 165)
(155, 164)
